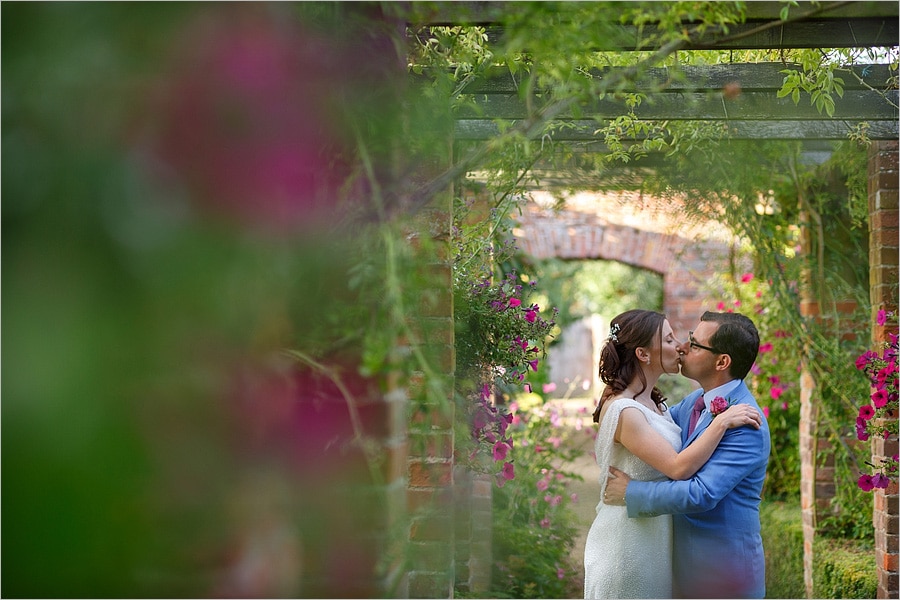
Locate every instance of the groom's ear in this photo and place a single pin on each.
(723, 363)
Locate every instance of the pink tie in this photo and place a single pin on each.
(699, 405)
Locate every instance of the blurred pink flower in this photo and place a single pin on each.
(767, 347)
(501, 449)
(549, 387)
(746, 277)
(766, 411)
(776, 392)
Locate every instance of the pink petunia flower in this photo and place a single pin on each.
(879, 398)
(881, 318)
(514, 302)
(865, 483)
(501, 449)
(776, 392)
(746, 277)
(866, 412)
(767, 347)
(509, 471)
(766, 411)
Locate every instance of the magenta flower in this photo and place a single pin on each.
(549, 387)
(509, 471)
(881, 318)
(879, 480)
(545, 522)
(755, 369)
(864, 359)
(720, 306)
(880, 398)
(514, 302)
(866, 412)
(776, 392)
(533, 364)
(531, 314)
(542, 485)
(865, 483)
(560, 573)
(501, 449)
(766, 411)
(746, 277)
(861, 433)
(718, 405)
(767, 347)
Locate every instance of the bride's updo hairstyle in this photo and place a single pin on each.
(618, 363)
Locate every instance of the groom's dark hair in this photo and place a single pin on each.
(737, 337)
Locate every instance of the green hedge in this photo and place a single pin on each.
(782, 533)
(843, 569)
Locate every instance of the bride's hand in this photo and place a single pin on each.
(739, 415)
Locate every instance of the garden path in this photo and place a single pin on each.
(581, 437)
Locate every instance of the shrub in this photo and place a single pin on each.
(843, 569)
(534, 526)
(782, 533)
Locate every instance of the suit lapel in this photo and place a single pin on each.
(737, 394)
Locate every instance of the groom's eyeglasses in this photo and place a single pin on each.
(694, 344)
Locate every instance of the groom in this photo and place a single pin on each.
(718, 550)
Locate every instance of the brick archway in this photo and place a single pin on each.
(622, 227)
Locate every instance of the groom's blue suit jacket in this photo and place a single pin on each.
(718, 549)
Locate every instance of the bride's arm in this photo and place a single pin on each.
(635, 433)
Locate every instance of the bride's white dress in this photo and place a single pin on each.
(629, 557)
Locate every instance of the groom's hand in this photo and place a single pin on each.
(616, 484)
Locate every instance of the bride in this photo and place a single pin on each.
(632, 558)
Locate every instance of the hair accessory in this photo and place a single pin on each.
(612, 337)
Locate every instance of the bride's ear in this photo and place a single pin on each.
(642, 354)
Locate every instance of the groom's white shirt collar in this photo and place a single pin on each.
(723, 390)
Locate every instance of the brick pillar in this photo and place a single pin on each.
(431, 461)
(883, 275)
(474, 524)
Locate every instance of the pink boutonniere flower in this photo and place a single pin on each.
(720, 405)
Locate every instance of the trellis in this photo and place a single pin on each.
(738, 98)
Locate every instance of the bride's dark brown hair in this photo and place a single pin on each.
(618, 362)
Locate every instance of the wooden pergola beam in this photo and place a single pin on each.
(830, 25)
(584, 129)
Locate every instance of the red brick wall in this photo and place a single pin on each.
(622, 227)
(883, 277)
